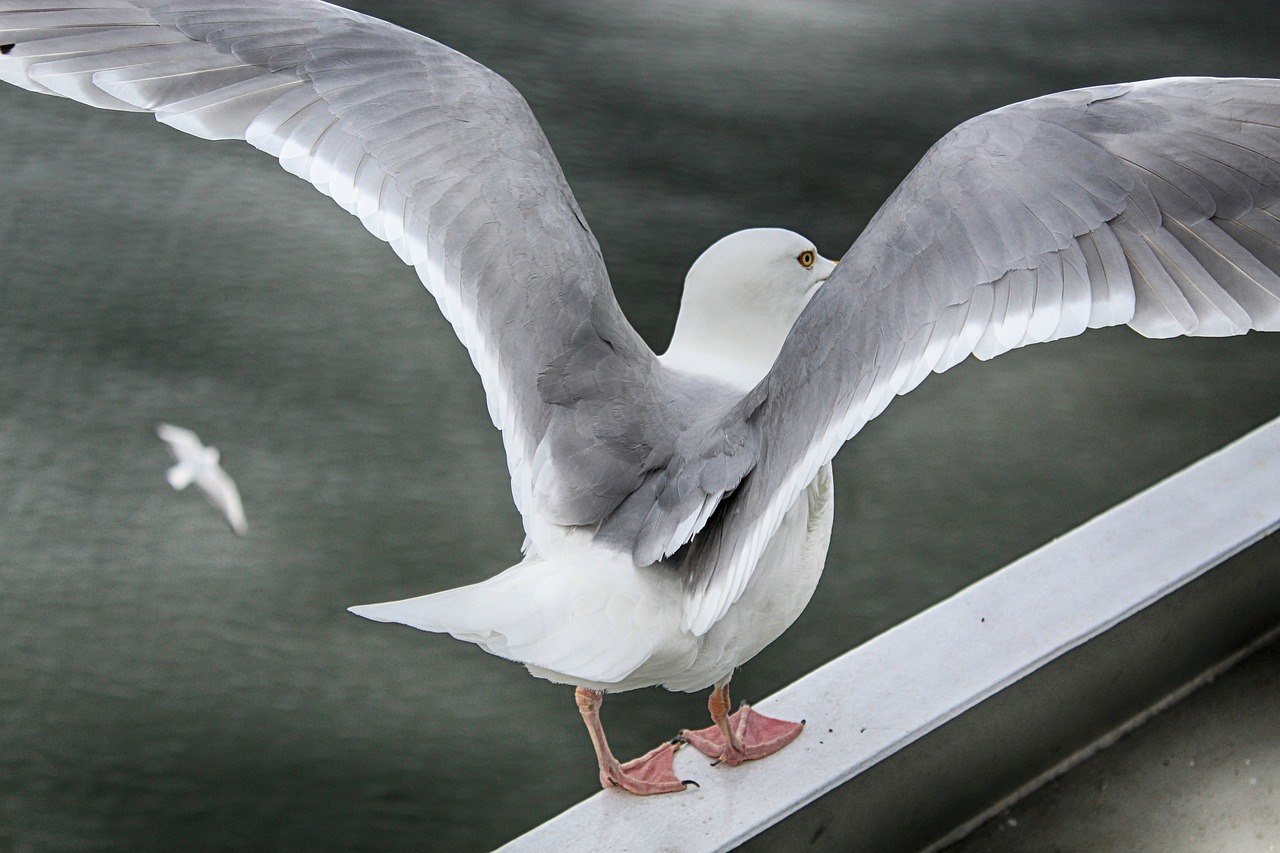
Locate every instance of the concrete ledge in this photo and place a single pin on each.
(922, 730)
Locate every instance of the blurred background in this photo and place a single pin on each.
(165, 685)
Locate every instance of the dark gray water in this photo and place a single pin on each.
(166, 686)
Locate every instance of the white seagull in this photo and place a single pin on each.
(677, 507)
(198, 464)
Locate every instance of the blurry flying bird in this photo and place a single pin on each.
(198, 464)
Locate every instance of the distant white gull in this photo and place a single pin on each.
(677, 508)
(199, 464)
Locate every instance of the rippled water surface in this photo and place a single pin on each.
(164, 685)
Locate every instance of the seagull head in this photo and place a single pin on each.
(741, 297)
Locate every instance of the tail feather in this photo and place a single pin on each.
(579, 624)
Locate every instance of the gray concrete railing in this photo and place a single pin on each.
(922, 731)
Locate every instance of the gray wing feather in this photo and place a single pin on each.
(1154, 204)
(434, 153)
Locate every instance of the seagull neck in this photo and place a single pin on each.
(736, 350)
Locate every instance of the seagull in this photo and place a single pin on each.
(199, 464)
(677, 508)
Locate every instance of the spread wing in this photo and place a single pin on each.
(182, 444)
(434, 153)
(221, 491)
(1155, 204)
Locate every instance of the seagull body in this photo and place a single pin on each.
(195, 463)
(619, 625)
(677, 507)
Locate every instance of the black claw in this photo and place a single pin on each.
(5, 48)
(688, 782)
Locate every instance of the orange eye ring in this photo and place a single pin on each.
(806, 258)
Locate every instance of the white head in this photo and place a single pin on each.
(741, 298)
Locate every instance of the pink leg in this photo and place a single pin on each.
(651, 773)
(742, 736)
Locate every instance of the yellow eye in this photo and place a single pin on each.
(806, 258)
